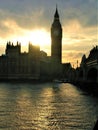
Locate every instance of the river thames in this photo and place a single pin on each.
(46, 106)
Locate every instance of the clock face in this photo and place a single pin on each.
(56, 32)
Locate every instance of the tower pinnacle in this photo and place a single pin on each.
(56, 15)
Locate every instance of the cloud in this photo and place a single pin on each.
(12, 23)
(32, 14)
(78, 17)
(72, 57)
(8, 26)
(27, 20)
(84, 11)
(77, 41)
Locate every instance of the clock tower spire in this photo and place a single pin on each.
(56, 16)
(56, 39)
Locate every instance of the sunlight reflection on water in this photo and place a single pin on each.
(46, 107)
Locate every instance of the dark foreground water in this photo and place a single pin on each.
(46, 107)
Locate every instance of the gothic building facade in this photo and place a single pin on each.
(34, 64)
(17, 65)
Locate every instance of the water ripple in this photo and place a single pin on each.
(46, 107)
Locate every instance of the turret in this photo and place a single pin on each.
(13, 50)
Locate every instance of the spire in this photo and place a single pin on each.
(56, 13)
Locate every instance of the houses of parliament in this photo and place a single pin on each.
(34, 64)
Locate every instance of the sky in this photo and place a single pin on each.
(30, 21)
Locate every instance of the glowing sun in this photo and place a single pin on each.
(39, 37)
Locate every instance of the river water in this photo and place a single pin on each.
(46, 106)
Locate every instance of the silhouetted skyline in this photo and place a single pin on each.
(19, 18)
(34, 65)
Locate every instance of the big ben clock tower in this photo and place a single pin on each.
(56, 39)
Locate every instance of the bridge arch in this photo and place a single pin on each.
(92, 75)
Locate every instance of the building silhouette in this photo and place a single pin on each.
(34, 64)
(17, 65)
(87, 72)
(56, 38)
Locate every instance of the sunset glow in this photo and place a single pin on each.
(36, 37)
(39, 37)
(31, 22)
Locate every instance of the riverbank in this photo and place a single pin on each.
(91, 87)
(23, 80)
